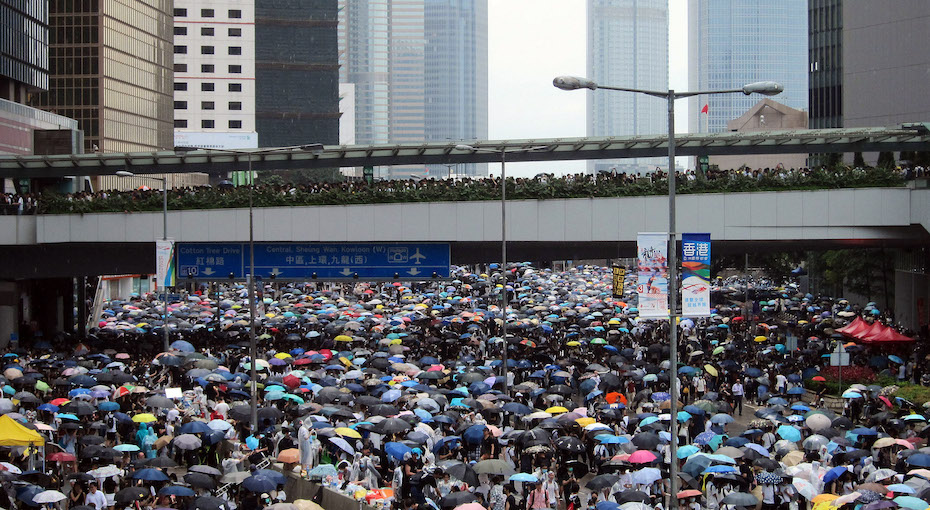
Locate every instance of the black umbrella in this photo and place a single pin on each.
(646, 440)
(393, 426)
(459, 470)
(602, 482)
(569, 444)
(454, 499)
(79, 408)
(200, 480)
(241, 412)
(131, 494)
(208, 503)
(632, 496)
(161, 461)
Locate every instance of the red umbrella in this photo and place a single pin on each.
(291, 381)
(885, 400)
(818, 378)
(61, 457)
(642, 457)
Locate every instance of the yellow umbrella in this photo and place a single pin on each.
(584, 422)
(760, 338)
(345, 361)
(820, 498)
(573, 343)
(556, 409)
(343, 338)
(143, 418)
(710, 370)
(282, 355)
(395, 341)
(347, 432)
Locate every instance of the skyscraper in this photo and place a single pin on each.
(456, 78)
(735, 42)
(420, 72)
(627, 47)
(214, 74)
(825, 69)
(296, 72)
(110, 69)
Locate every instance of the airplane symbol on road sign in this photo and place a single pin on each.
(417, 257)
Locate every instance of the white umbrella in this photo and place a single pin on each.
(645, 476)
(48, 497)
(105, 471)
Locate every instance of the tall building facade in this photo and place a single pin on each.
(296, 72)
(23, 48)
(885, 63)
(214, 74)
(825, 67)
(735, 42)
(420, 73)
(627, 47)
(110, 68)
(456, 75)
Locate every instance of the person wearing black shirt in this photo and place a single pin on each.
(287, 442)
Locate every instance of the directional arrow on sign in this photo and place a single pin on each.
(413, 271)
(275, 272)
(346, 272)
(208, 271)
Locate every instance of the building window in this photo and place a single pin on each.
(180, 123)
(206, 13)
(180, 13)
(180, 50)
(235, 87)
(235, 50)
(235, 69)
(235, 32)
(180, 85)
(180, 30)
(235, 13)
(206, 50)
(206, 68)
(206, 123)
(207, 87)
(180, 68)
(235, 105)
(208, 31)
(235, 124)
(207, 105)
(180, 105)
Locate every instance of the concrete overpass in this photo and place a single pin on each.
(113, 243)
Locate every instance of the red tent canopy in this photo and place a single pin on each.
(888, 335)
(854, 328)
(874, 330)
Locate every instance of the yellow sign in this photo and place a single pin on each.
(619, 273)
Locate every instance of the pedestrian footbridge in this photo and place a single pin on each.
(538, 230)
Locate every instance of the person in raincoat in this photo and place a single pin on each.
(140, 435)
(148, 444)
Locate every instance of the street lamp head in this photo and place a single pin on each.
(573, 83)
(463, 147)
(766, 88)
(315, 148)
(124, 173)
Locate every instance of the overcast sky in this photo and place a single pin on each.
(532, 41)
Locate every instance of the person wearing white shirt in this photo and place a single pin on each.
(737, 392)
(95, 498)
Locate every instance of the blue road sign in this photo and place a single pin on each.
(409, 261)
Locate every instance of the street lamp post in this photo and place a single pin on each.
(504, 297)
(767, 88)
(164, 234)
(253, 294)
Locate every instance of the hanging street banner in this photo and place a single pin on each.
(619, 274)
(695, 275)
(164, 263)
(652, 276)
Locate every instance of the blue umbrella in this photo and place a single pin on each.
(183, 346)
(834, 473)
(862, 431)
(150, 475)
(108, 406)
(397, 450)
(896, 359)
(474, 434)
(195, 427)
(919, 460)
(176, 490)
(258, 484)
(48, 407)
(687, 451)
(523, 477)
(789, 433)
(797, 390)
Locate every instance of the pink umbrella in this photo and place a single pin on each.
(642, 457)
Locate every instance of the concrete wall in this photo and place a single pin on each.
(873, 213)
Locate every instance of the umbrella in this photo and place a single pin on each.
(200, 480)
(207, 470)
(176, 490)
(150, 475)
(208, 503)
(493, 467)
(789, 433)
(456, 499)
(740, 499)
(48, 496)
(131, 494)
(602, 482)
(259, 484)
(187, 442)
